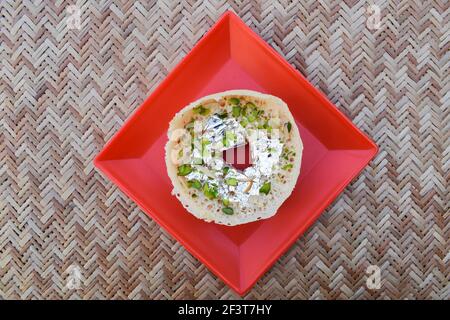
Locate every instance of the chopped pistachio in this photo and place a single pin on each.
(251, 118)
(230, 135)
(210, 192)
(231, 181)
(244, 122)
(287, 166)
(265, 125)
(229, 138)
(289, 126)
(201, 110)
(225, 170)
(228, 210)
(194, 183)
(205, 151)
(236, 111)
(287, 153)
(190, 128)
(252, 114)
(226, 202)
(214, 192)
(184, 169)
(223, 115)
(265, 188)
(205, 187)
(180, 153)
(234, 100)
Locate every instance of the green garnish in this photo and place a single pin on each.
(229, 137)
(225, 170)
(236, 111)
(205, 151)
(201, 110)
(289, 126)
(190, 128)
(194, 183)
(252, 112)
(184, 169)
(265, 125)
(228, 210)
(231, 182)
(223, 115)
(180, 153)
(265, 188)
(226, 202)
(244, 122)
(287, 153)
(210, 192)
(251, 118)
(287, 166)
(234, 100)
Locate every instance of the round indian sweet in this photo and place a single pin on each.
(259, 133)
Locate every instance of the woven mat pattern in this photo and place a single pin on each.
(64, 92)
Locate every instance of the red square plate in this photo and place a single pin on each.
(232, 56)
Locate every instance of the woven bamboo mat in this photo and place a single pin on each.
(67, 232)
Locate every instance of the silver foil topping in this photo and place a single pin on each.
(207, 160)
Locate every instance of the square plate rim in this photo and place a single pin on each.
(173, 73)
